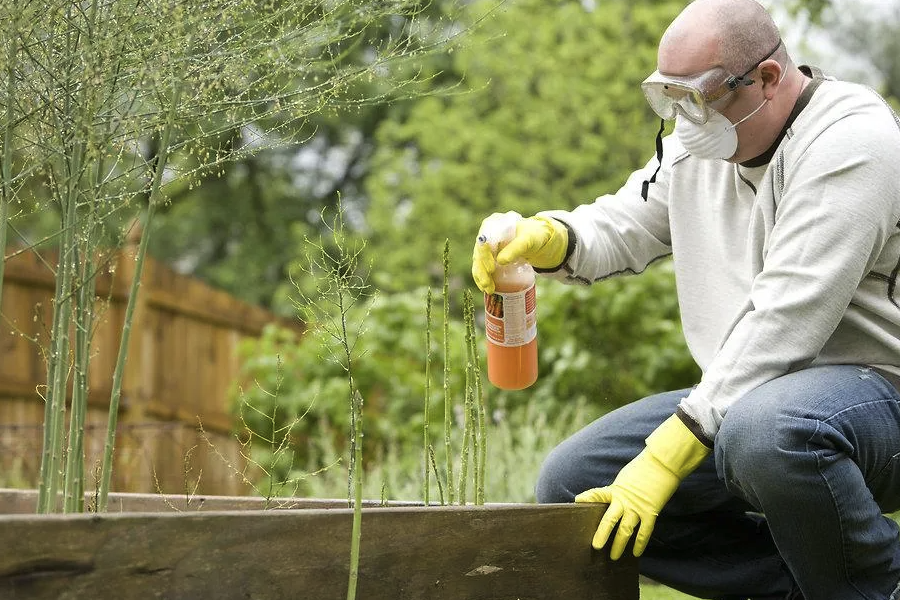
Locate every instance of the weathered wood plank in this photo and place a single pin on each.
(524, 552)
(13, 501)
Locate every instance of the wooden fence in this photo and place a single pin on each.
(182, 367)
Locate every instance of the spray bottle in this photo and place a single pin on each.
(510, 318)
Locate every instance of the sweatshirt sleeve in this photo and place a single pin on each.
(621, 232)
(838, 208)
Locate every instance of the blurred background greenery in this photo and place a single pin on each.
(539, 107)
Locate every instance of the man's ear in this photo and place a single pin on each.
(771, 74)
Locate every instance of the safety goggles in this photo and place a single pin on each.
(689, 95)
(692, 95)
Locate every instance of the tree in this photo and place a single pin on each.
(238, 188)
(242, 228)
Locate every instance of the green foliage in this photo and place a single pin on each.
(389, 373)
(550, 116)
(612, 343)
(232, 230)
(253, 78)
(600, 347)
(243, 227)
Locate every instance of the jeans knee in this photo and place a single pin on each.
(758, 448)
(570, 469)
(747, 453)
(554, 481)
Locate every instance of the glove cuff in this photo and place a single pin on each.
(570, 247)
(555, 249)
(675, 447)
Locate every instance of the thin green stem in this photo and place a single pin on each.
(464, 452)
(426, 442)
(276, 446)
(84, 311)
(73, 482)
(49, 407)
(476, 448)
(354, 468)
(118, 374)
(345, 300)
(474, 384)
(270, 469)
(437, 476)
(59, 375)
(74, 132)
(6, 174)
(469, 435)
(481, 407)
(473, 387)
(448, 408)
(356, 534)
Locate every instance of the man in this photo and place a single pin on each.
(778, 197)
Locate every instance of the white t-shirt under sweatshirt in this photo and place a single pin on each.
(781, 263)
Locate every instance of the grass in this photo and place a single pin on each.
(655, 591)
(519, 441)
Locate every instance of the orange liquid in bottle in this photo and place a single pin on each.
(512, 368)
(512, 365)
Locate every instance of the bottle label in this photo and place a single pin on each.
(510, 318)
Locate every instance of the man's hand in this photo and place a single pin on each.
(644, 485)
(539, 241)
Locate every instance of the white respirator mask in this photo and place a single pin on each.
(716, 138)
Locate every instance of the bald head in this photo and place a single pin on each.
(734, 34)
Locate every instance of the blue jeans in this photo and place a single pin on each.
(790, 503)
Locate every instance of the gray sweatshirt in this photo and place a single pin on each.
(779, 266)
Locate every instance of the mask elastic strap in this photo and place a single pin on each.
(645, 186)
(756, 110)
(763, 103)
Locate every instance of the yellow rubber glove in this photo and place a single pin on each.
(644, 485)
(539, 241)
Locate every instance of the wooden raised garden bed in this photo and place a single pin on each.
(227, 548)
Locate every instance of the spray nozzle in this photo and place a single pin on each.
(498, 230)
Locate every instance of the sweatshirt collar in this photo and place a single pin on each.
(805, 96)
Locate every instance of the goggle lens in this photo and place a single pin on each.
(667, 99)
